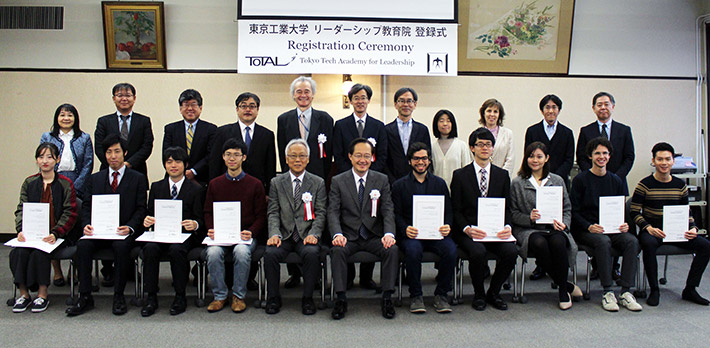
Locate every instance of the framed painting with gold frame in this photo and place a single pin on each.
(134, 35)
(515, 36)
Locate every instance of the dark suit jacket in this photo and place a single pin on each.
(201, 144)
(140, 140)
(345, 131)
(191, 195)
(284, 215)
(622, 157)
(345, 215)
(560, 147)
(465, 191)
(132, 190)
(321, 123)
(261, 159)
(397, 164)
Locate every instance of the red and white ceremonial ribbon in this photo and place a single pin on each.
(321, 144)
(374, 197)
(307, 198)
(374, 144)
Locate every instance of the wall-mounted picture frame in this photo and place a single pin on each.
(134, 35)
(515, 36)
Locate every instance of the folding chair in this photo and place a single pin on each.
(193, 255)
(458, 278)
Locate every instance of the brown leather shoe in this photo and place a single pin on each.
(238, 305)
(216, 306)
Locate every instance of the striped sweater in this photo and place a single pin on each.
(651, 195)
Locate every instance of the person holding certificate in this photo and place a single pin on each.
(130, 187)
(234, 186)
(429, 231)
(296, 213)
(175, 187)
(361, 217)
(482, 179)
(651, 195)
(31, 267)
(589, 189)
(542, 213)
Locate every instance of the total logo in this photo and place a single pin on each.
(267, 60)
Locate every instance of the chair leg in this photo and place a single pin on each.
(261, 302)
(96, 286)
(137, 300)
(523, 267)
(72, 295)
(664, 280)
(399, 283)
(323, 279)
(587, 296)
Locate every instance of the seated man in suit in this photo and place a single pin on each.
(175, 186)
(296, 213)
(420, 182)
(314, 126)
(131, 186)
(402, 132)
(193, 134)
(360, 125)
(654, 192)
(587, 187)
(559, 140)
(234, 185)
(482, 179)
(361, 217)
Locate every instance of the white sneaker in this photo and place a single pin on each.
(629, 301)
(609, 302)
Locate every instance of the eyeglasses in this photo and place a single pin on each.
(417, 159)
(406, 101)
(360, 98)
(120, 96)
(248, 106)
(233, 155)
(300, 157)
(190, 105)
(484, 145)
(366, 156)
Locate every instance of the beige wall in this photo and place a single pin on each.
(655, 109)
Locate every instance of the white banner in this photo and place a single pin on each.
(345, 47)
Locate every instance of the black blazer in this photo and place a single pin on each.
(132, 189)
(345, 131)
(465, 192)
(321, 123)
(140, 140)
(622, 157)
(560, 147)
(261, 159)
(192, 196)
(201, 144)
(397, 164)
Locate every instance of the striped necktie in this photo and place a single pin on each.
(188, 137)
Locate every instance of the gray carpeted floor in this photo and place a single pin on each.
(539, 323)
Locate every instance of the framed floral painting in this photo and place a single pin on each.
(515, 36)
(134, 35)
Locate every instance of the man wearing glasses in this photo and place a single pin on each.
(402, 132)
(192, 134)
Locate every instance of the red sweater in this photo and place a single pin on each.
(248, 190)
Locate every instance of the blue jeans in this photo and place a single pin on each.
(413, 250)
(242, 263)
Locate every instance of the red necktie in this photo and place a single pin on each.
(114, 183)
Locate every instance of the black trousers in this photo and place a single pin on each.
(506, 253)
(179, 265)
(122, 261)
(550, 252)
(699, 245)
(273, 256)
(339, 257)
(30, 267)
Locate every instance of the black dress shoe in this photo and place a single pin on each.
(538, 273)
(119, 304)
(273, 305)
(107, 282)
(83, 304)
(252, 285)
(292, 282)
(479, 303)
(150, 307)
(387, 308)
(339, 309)
(496, 301)
(179, 305)
(60, 282)
(308, 307)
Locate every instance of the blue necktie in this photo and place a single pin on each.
(174, 192)
(247, 138)
(360, 197)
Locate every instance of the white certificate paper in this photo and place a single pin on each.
(44, 246)
(227, 224)
(611, 213)
(675, 222)
(152, 238)
(491, 219)
(548, 202)
(35, 221)
(105, 215)
(168, 218)
(428, 215)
